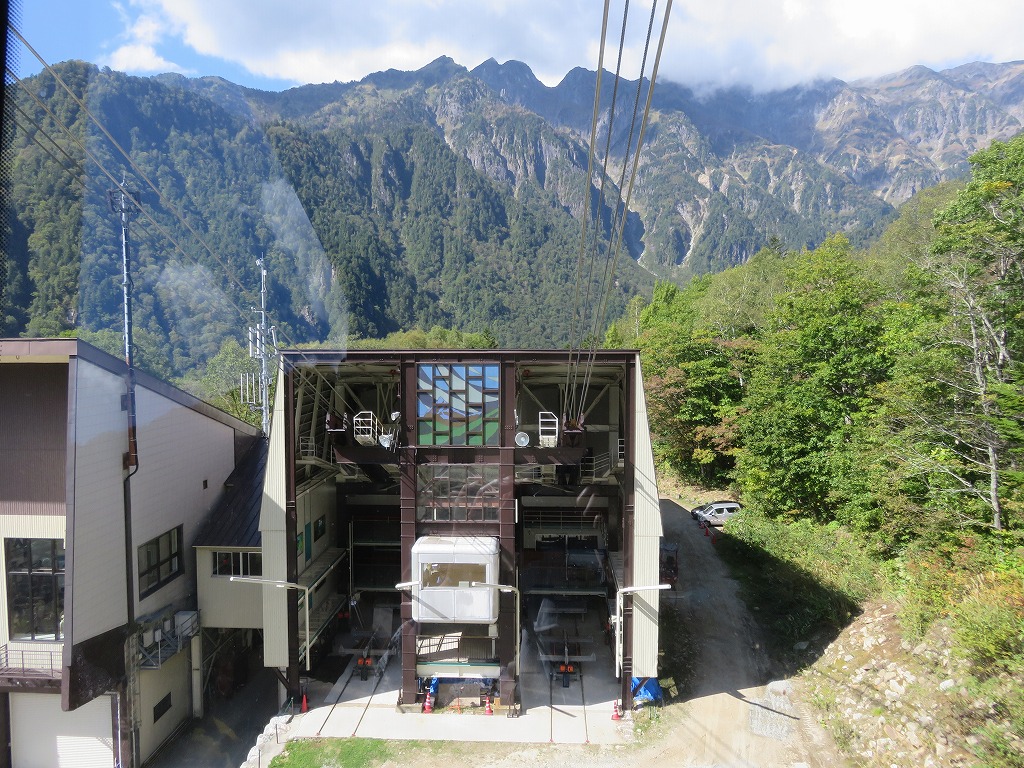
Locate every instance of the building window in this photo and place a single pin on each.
(160, 561)
(458, 405)
(35, 588)
(457, 492)
(237, 563)
(451, 574)
(162, 707)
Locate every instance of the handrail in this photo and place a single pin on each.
(31, 663)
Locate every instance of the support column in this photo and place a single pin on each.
(508, 573)
(407, 478)
(290, 533)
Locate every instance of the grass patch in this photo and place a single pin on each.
(333, 753)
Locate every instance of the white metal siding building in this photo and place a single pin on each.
(99, 590)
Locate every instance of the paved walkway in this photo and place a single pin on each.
(582, 713)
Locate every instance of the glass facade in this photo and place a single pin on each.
(457, 492)
(458, 405)
(35, 588)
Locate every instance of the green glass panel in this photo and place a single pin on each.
(492, 407)
(491, 432)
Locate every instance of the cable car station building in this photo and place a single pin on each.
(455, 504)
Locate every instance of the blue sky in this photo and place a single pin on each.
(272, 45)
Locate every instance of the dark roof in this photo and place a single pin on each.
(235, 521)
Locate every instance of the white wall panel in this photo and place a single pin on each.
(275, 607)
(226, 603)
(43, 736)
(173, 679)
(646, 541)
(99, 592)
(275, 546)
(180, 452)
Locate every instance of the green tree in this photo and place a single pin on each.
(977, 267)
(820, 357)
(218, 382)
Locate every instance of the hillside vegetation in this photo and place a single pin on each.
(866, 406)
(442, 197)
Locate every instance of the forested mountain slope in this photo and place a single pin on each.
(442, 196)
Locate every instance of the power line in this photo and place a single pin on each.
(92, 158)
(569, 403)
(113, 179)
(33, 135)
(134, 166)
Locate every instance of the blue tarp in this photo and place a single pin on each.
(646, 692)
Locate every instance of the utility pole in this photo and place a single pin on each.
(124, 203)
(262, 347)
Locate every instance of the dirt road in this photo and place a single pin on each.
(735, 717)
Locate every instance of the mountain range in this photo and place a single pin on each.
(448, 196)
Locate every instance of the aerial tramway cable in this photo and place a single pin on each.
(578, 365)
(619, 219)
(572, 364)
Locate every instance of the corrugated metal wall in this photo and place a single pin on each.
(272, 530)
(97, 593)
(42, 736)
(172, 679)
(646, 541)
(226, 603)
(184, 459)
(34, 425)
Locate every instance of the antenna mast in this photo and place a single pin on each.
(255, 388)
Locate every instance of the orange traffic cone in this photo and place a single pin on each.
(487, 709)
(305, 704)
(615, 710)
(428, 705)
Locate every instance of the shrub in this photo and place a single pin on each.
(988, 624)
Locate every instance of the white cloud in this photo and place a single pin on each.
(760, 42)
(137, 57)
(145, 29)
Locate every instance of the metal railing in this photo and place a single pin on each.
(165, 637)
(30, 663)
(594, 467)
